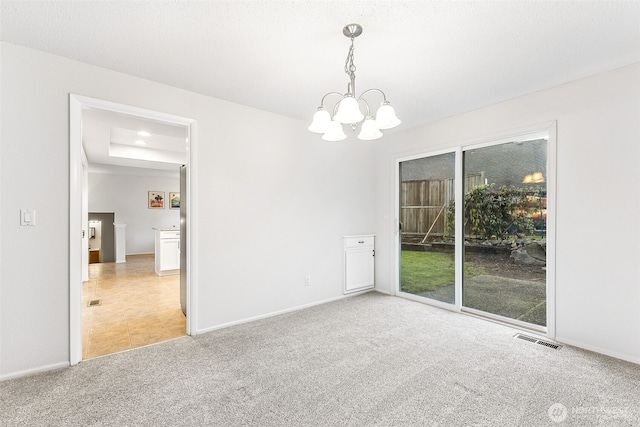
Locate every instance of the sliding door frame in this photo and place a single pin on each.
(546, 130)
(456, 306)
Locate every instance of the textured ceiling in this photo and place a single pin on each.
(433, 59)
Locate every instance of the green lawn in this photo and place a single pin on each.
(426, 271)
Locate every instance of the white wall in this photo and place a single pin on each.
(598, 200)
(269, 207)
(126, 195)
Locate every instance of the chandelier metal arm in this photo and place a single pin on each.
(384, 97)
(367, 105)
(330, 93)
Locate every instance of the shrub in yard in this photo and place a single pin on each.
(492, 212)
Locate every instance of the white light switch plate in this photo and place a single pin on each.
(27, 217)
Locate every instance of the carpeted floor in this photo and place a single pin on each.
(370, 360)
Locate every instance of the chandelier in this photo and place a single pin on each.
(347, 109)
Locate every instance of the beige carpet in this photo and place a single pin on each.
(370, 360)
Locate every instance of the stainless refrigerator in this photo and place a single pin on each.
(183, 238)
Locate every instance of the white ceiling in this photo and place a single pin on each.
(433, 59)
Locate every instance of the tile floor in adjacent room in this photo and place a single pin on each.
(137, 307)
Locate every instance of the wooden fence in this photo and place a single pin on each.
(424, 204)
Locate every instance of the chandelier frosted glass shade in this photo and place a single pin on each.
(321, 121)
(386, 117)
(369, 130)
(334, 132)
(347, 109)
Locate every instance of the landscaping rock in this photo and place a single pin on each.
(532, 254)
(543, 244)
(520, 256)
(537, 251)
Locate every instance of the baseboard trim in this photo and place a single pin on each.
(279, 312)
(595, 349)
(37, 370)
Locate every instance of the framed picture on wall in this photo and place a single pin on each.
(174, 200)
(156, 199)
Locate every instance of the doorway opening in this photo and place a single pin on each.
(101, 240)
(138, 264)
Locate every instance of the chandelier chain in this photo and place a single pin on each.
(349, 66)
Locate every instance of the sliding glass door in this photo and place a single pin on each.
(427, 256)
(501, 239)
(505, 217)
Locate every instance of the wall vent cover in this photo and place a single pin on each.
(537, 341)
(94, 302)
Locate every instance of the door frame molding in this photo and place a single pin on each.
(76, 105)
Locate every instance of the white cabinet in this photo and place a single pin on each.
(167, 252)
(359, 256)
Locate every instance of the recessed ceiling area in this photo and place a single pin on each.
(116, 142)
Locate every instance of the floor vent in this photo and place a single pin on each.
(94, 302)
(537, 341)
